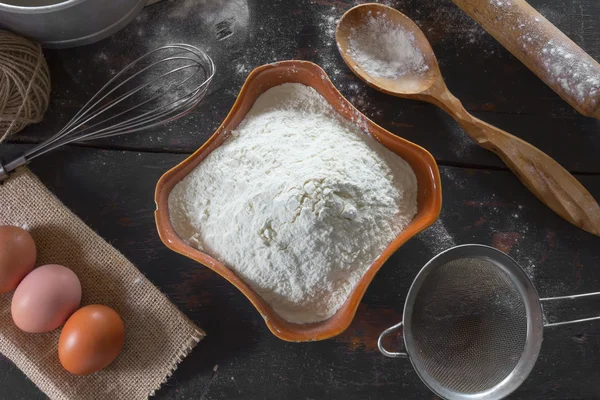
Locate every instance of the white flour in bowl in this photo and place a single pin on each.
(298, 201)
(385, 50)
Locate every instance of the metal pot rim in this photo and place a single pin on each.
(40, 9)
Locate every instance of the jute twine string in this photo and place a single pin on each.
(24, 83)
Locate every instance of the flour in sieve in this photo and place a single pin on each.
(298, 201)
(383, 49)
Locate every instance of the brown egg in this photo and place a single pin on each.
(45, 298)
(91, 339)
(17, 256)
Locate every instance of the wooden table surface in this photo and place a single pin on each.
(110, 185)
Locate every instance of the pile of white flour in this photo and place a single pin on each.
(298, 201)
(385, 50)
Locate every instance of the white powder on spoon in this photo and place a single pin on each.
(385, 50)
(298, 201)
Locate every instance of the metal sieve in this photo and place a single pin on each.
(473, 324)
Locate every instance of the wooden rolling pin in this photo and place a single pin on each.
(543, 48)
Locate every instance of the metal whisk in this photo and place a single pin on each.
(158, 87)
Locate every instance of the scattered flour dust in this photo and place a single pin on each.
(385, 50)
(437, 237)
(298, 201)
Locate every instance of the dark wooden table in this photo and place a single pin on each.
(110, 185)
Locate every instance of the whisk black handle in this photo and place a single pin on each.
(5, 170)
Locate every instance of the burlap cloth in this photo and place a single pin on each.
(157, 335)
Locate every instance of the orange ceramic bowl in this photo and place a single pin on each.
(307, 73)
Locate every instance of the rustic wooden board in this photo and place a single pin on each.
(476, 67)
(111, 185)
(491, 83)
(576, 147)
(112, 191)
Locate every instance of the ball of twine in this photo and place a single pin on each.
(24, 83)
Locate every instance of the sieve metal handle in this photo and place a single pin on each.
(573, 297)
(382, 349)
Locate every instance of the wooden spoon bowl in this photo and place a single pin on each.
(407, 85)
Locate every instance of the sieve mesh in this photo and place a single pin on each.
(469, 325)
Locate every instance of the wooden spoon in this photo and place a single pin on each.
(544, 177)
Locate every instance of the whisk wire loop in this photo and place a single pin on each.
(159, 86)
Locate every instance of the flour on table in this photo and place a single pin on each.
(298, 201)
(385, 50)
(437, 237)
